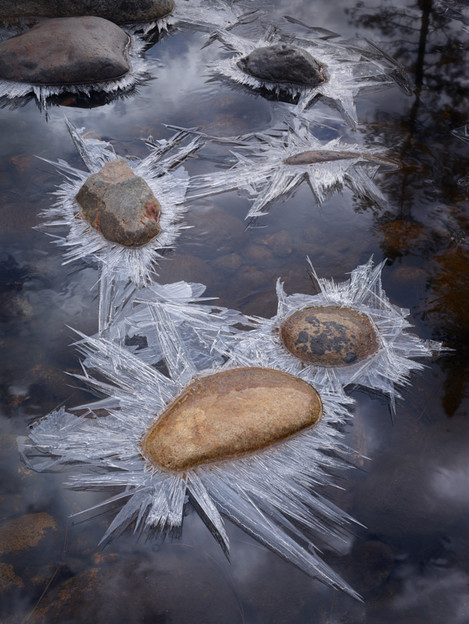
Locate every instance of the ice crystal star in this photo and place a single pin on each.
(348, 69)
(166, 178)
(139, 73)
(382, 371)
(270, 493)
(272, 164)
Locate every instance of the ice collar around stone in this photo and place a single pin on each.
(169, 437)
(81, 55)
(302, 71)
(349, 332)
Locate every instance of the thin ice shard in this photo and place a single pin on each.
(349, 68)
(199, 326)
(383, 371)
(270, 493)
(271, 165)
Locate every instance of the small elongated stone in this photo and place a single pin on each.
(120, 205)
(310, 157)
(65, 51)
(330, 336)
(283, 63)
(230, 413)
(119, 11)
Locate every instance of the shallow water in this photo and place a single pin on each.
(411, 562)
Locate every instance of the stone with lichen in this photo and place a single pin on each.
(329, 335)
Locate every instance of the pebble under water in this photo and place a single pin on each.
(410, 563)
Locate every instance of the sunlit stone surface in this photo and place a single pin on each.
(120, 11)
(63, 51)
(329, 336)
(229, 413)
(283, 63)
(120, 205)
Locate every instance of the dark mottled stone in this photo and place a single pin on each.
(120, 205)
(283, 63)
(310, 157)
(119, 11)
(230, 413)
(64, 51)
(330, 336)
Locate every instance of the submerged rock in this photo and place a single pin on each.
(120, 205)
(229, 413)
(119, 11)
(65, 51)
(330, 336)
(25, 532)
(283, 63)
(311, 157)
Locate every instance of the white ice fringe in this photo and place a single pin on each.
(259, 169)
(272, 494)
(177, 312)
(119, 264)
(389, 367)
(140, 71)
(350, 67)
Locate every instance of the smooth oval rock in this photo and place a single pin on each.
(119, 11)
(120, 205)
(330, 336)
(230, 413)
(65, 51)
(283, 63)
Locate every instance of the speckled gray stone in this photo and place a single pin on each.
(64, 51)
(330, 336)
(119, 11)
(283, 63)
(120, 205)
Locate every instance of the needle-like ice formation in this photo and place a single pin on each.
(168, 180)
(270, 165)
(271, 493)
(347, 68)
(389, 366)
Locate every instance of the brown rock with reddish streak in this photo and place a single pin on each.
(230, 413)
(65, 51)
(330, 336)
(120, 205)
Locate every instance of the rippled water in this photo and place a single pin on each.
(411, 562)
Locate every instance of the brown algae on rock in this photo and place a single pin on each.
(330, 335)
(120, 205)
(228, 414)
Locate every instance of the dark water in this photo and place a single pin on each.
(411, 562)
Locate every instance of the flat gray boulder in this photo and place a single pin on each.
(120, 205)
(119, 11)
(283, 63)
(65, 51)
